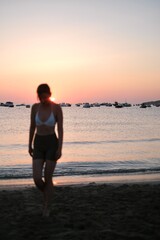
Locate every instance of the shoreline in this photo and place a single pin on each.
(153, 178)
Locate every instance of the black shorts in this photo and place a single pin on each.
(45, 147)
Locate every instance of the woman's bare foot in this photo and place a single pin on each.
(46, 210)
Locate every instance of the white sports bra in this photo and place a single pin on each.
(50, 122)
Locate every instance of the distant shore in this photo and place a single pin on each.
(93, 211)
(88, 105)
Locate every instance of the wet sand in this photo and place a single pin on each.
(90, 212)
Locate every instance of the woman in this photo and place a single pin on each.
(44, 146)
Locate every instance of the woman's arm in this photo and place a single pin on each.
(31, 130)
(59, 130)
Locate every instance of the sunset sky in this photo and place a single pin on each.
(86, 50)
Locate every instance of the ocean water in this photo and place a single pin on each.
(99, 142)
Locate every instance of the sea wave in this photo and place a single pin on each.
(14, 146)
(120, 141)
(77, 169)
(113, 141)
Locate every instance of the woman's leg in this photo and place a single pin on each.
(37, 173)
(49, 187)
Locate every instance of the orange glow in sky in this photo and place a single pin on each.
(104, 51)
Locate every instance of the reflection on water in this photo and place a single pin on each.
(128, 136)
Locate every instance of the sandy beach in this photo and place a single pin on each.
(93, 211)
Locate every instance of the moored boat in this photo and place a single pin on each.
(86, 105)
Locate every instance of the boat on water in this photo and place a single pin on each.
(78, 104)
(86, 105)
(65, 105)
(7, 104)
(28, 106)
(96, 105)
(20, 105)
(118, 105)
(127, 104)
(143, 105)
(106, 104)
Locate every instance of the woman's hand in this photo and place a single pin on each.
(30, 150)
(58, 154)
